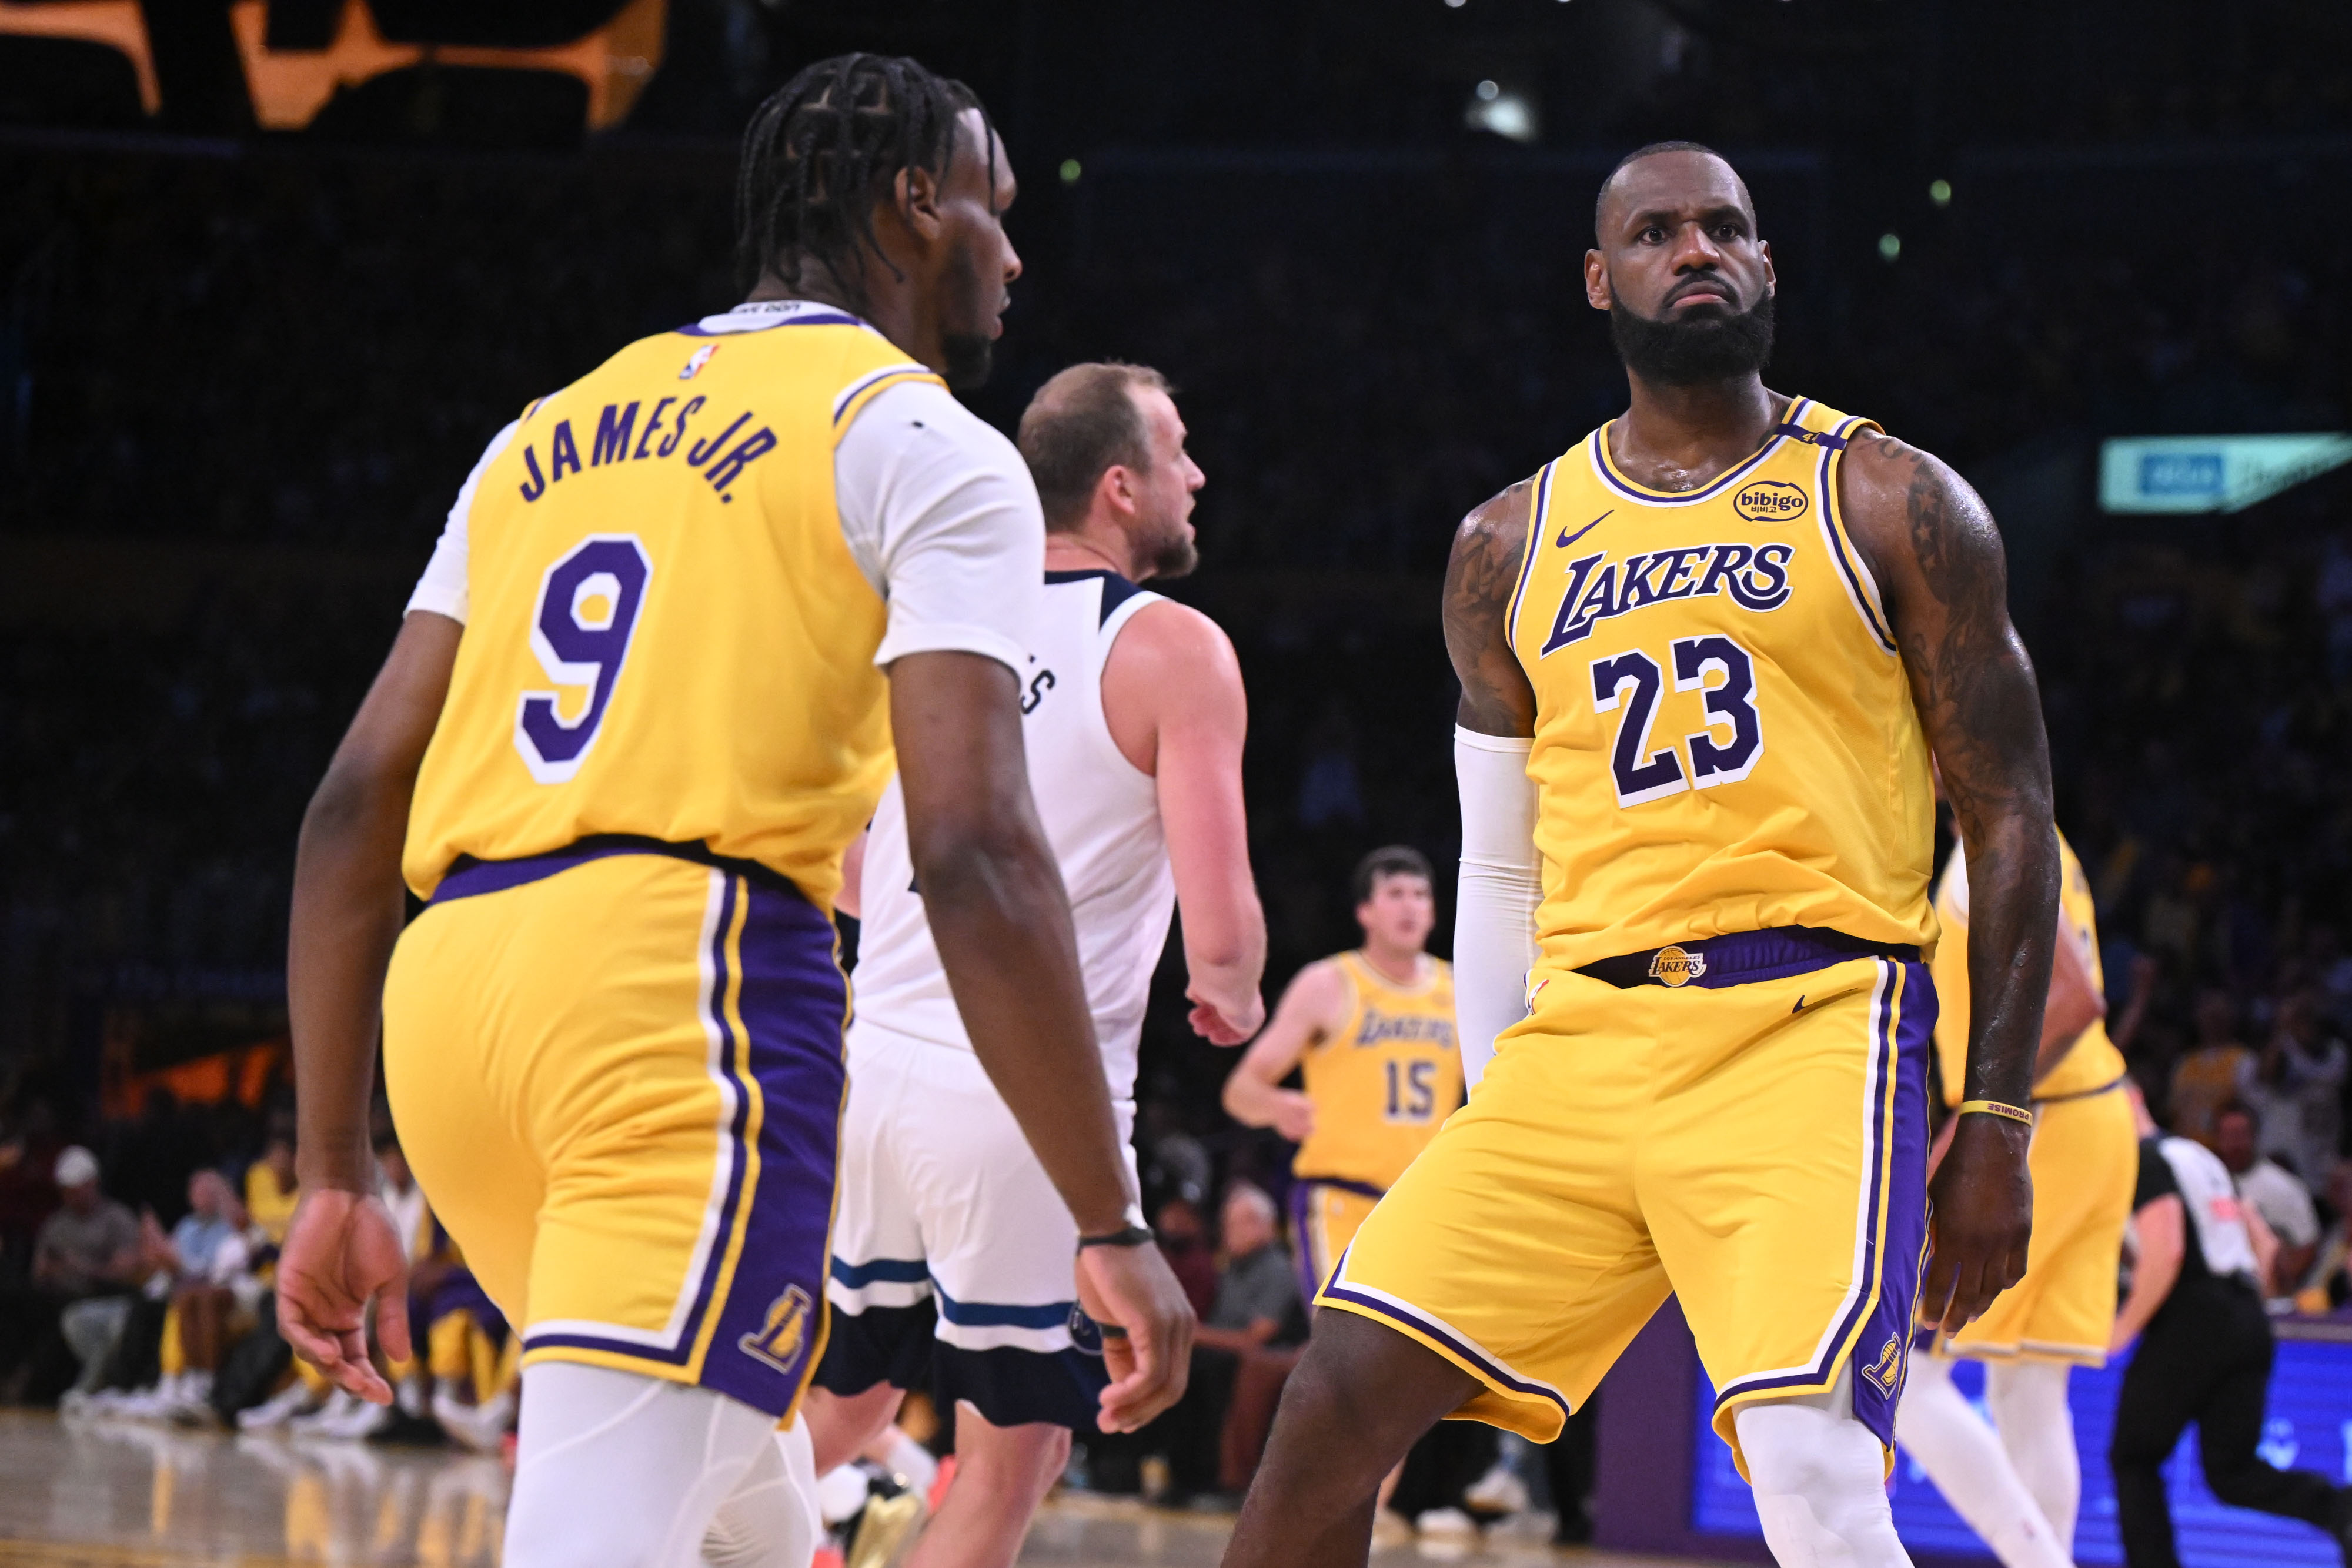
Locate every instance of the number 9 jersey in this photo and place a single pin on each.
(1725, 739)
(668, 637)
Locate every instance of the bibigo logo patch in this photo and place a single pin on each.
(1771, 501)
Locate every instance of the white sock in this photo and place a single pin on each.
(615, 1470)
(911, 1459)
(1964, 1457)
(1820, 1477)
(2028, 1401)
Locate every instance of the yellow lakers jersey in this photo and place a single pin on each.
(1383, 1080)
(668, 636)
(1724, 738)
(2093, 1062)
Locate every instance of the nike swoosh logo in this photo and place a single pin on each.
(1566, 538)
(1799, 1006)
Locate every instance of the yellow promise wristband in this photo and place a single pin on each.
(1996, 1108)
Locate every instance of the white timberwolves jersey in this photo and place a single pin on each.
(1101, 815)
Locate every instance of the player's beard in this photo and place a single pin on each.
(969, 357)
(1166, 549)
(1711, 345)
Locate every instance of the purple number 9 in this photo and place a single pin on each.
(587, 611)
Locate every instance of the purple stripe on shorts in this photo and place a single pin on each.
(793, 1002)
(1888, 1292)
(1487, 1365)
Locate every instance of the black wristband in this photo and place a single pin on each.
(1125, 1236)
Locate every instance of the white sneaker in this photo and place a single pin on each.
(356, 1423)
(337, 1407)
(1446, 1524)
(1499, 1491)
(272, 1414)
(149, 1404)
(478, 1427)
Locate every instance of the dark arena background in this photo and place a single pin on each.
(271, 273)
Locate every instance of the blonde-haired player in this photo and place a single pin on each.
(2019, 1481)
(1371, 1032)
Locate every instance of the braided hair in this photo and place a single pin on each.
(825, 147)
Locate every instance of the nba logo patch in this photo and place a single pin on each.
(701, 357)
(783, 1334)
(1674, 966)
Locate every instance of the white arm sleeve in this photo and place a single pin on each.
(443, 588)
(942, 517)
(1502, 883)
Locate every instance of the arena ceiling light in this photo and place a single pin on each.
(1502, 110)
(2210, 472)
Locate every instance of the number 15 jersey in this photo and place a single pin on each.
(1725, 739)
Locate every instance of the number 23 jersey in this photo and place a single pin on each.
(1725, 739)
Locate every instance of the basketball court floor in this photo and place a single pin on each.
(121, 1496)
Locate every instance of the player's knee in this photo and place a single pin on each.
(1818, 1479)
(1012, 1461)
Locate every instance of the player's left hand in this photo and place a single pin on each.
(1980, 1219)
(1226, 1025)
(342, 1251)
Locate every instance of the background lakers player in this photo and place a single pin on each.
(1373, 1033)
(1704, 655)
(628, 946)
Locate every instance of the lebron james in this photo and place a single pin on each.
(1706, 656)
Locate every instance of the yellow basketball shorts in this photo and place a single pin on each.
(1755, 1143)
(1326, 1212)
(617, 1071)
(2084, 1160)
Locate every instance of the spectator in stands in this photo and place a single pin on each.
(203, 1267)
(270, 1191)
(1258, 1295)
(1185, 1240)
(1256, 1307)
(2217, 1071)
(2299, 1088)
(2275, 1193)
(86, 1258)
(29, 1145)
(2328, 1283)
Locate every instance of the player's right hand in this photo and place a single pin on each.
(1131, 1288)
(1980, 1219)
(341, 1252)
(1294, 1115)
(1226, 1025)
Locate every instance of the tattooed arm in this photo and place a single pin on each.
(1938, 558)
(1480, 577)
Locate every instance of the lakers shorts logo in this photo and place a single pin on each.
(1887, 1371)
(781, 1338)
(1674, 966)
